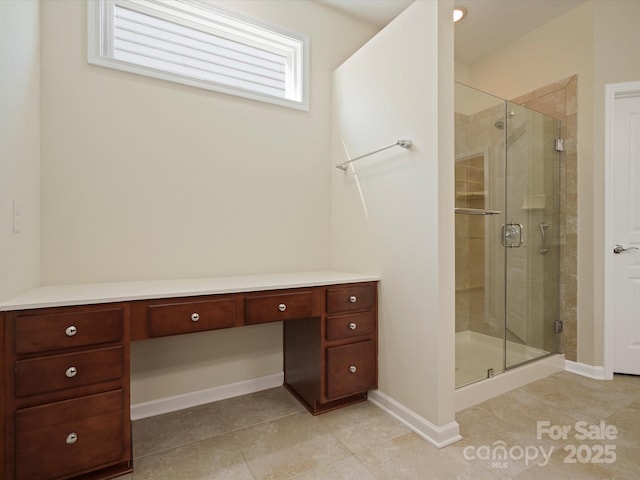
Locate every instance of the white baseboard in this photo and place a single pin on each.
(201, 397)
(438, 436)
(591, 371)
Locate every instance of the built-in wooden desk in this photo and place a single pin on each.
(65, 363)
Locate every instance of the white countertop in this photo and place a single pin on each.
(92, 293)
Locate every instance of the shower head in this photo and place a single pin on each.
(500, 123)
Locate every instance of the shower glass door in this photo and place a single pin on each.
(531, 235)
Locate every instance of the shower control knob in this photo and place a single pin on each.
(621, 249)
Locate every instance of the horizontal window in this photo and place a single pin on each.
(195, 43)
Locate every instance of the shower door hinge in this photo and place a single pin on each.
(559, 145)
(557, 326)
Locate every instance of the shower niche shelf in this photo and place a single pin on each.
(471, 195)
(534, 202)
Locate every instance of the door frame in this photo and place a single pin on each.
(613, 92)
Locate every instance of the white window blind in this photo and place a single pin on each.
(192, 42)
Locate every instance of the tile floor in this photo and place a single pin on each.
(269, 436)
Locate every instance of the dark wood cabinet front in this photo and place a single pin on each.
(70, 437)
(66, 393)
(350, 298)
(190, 316)
(273, 307)
(351, 369)
(332, 361)
(40, 332)
(66, 370)
(351, 325)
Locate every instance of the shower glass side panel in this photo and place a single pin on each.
(531, 235)
(480, 258)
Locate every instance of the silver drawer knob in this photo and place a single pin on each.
(352, 326)
(352, 369)
(195, 317)
(71, 331)
(282, 307)
(72, 438)
(71, 372)
(353, 299)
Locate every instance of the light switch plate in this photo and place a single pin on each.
(18, 213)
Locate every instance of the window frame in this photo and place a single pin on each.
(100, 44)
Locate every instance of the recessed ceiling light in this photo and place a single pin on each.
(459, 13)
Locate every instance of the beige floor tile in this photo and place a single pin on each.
(628, 382)
(216, 458)
(503, 458)
(515, 401)
(591, 404)
(346, 469)
(410, 457)
(162, 432)
(565, 465)
(627, 422)
(289, 446)
(362, 425)
(627, 463)
(563, 472)
(260, 407)
(274, 438)
(479, 427)
(152, 435)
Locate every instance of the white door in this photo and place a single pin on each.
(623, 254)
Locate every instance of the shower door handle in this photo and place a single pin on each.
(543, 250)
(512, 235)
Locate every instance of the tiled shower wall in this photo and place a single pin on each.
(559, 100)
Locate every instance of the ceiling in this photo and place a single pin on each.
(489, 24)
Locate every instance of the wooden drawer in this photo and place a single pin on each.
(279, 306)
(45, 444)
(56, 372)
(350, 298)
(190, 316)
(351, 369)
(351, 325)
(67, 329)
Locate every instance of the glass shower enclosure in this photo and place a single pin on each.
(507, 233)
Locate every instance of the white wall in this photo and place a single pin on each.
(145, 179)
(19, 145)
(616, 34)
(392, 212)
(553, 52)
(594, 41)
